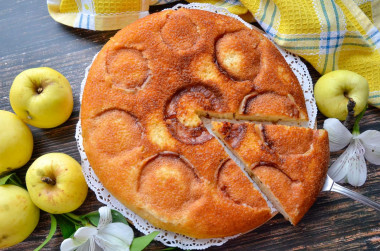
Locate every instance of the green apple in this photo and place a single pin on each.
(334, 89)
(56, 183)
(18, 215)
(41, 97)
(16, 142)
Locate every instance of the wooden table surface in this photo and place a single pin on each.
(29, 38)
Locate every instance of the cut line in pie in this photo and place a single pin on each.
(289, 164)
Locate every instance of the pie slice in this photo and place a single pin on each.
(289, 164)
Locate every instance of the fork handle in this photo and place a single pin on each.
(356, 196)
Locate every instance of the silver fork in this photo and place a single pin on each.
(330, 185)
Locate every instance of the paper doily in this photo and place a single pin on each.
(166, 237)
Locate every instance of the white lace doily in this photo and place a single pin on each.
(166, 237)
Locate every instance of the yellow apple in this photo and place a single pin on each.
(18, 215)
(16, 142)
(41, 97)
(56, 183)
(333, 90)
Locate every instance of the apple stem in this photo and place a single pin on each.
(48, 180)
(349, 122)
(39, 90)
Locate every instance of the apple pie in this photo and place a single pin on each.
(143, 101)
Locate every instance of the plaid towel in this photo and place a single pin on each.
(330, 34)
(98, 14)
(116, 14)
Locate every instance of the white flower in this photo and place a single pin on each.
(107, 236)
(350, 166)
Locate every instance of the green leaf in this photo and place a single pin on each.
(118, 217)
(4, 179)
(12, 179)
(67, 227)
(93, 217)
(72, 220)
(142, 242)
(76, 228)
(76, 219)
(53, 228)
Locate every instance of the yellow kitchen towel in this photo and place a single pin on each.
(330, 34)
(233, 6)
(116, 14)
(99, 14)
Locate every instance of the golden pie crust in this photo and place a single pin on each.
(141, 125)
